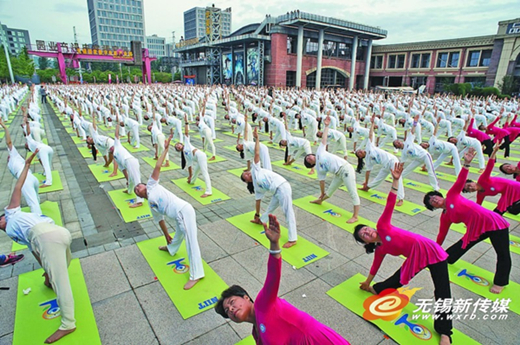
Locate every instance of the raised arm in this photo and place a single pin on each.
(8, 140)
(186, 126)
(117, 122)
(157, 169)
(326, 122)
(269, 293)
(16, 197)
(257, 145)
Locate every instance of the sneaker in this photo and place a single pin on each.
(12, 259)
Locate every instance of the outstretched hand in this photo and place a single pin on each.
(31, 157)
(469, 155)
(397, 171)
(327, 121)
(255, 133)
(272, 232)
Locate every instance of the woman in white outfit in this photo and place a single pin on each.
(164, 203)
(259, 181)
(45, 154)
(247, 151)
(195, 159)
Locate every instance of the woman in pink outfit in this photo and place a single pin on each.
(274, 320)
(511, 169)
(490, 186)
(480, 224)
(420, 252)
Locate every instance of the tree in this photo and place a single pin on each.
(43, 62)
(23, 65)
(177, 75)
(508, 85)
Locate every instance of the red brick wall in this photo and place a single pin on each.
(275, 72)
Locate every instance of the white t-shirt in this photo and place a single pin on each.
(120, 154)
(162, 202)
(265, 180)
(16, 162)
(19, 223)
(327, 162)
(412, 151)
(375, 156)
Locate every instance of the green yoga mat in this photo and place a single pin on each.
(237, 172)
(49, 208)
(299, 255)
(297, 168)
(70, 130)
(86, 152)
(378, 197)
(152, 163)
(78, 140)
(102, 174)
(197, 189)
(491, 206)
(471, 169)
(247, 341)
(173, 273)
(440, 175)
(38, 316)
(217, 158)
(514, 241)
(418, 186)
(130, 148)
(122, 201)
(331, 213)
(56, 182)
(405, 326)
(217, 140)
(479, 281)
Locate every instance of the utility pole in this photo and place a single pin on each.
(79, 62)
(4, 42)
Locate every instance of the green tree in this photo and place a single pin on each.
(177, 75)
(508, 85)
(43, 62)
(24, 65)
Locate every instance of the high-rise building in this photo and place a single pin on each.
(16, 39)
(116, 22)
(156, 45)
(195, 22)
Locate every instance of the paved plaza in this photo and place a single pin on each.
(130, 304)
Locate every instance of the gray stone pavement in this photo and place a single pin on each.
(131, 307)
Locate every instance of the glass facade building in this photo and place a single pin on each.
(16, 39)
(195, 22)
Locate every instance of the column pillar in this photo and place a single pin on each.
(299, 57)
(320, 57)
(367, 65)
(353, 64)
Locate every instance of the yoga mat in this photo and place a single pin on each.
(217, 140)
(491, 206)
(237, 172)
(442, 176)
(247, 341)
(86, 152)
(38, 316)
(418, 186)
(378, 197)
(471, 169)
(331, 213)
(217, 158)
(173, 273)
(197, 189)
(102, 174)
(295, 167)
(130, 148)
(401, 326)
(150, 161)
(70, 130)
(299, 255)
(122, 201)
(514, 241)
(78, 140)
(56, 182)
(479, 281)
(50, 209)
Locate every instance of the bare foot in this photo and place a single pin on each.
(364, 189)
(137, 204)
(317, 201)
(311, 172)
(481, 171)
(205, 195)
(270, 142)
(126, 191)
(155, 158)
(112, 174)
(105, 166)
(286, 163)
(445, 340)
(289, 244)
(449, 163)
(60, 333)
(164, 248)
(45, 185)
(352, 220)
(399, 203)
(47, 282)
(256, 221)
(372, 290)
(190, 284)
(424, 169)
(212, 158)
(167, 164)
(496, 289)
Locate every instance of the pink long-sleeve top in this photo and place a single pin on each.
(475, 133)
(514, 131)
(477, 219)
(418, 250)
(498, 132)
(509, 190)
(279, 322)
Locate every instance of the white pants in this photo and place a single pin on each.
(160, 146)
(456, 159)
(389, 138)
(30, 190)
(305, 149)
(201, 166)
(341, 144)
(283, 197)
(383, 173)
(134, 176)
(177, 132)
(186, 228)
(52, 244)
(427, 161)
(347, 176)
(45, 156)
(310, 133)
(208, 141)
(81, 132)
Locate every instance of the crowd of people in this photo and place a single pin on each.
(362, 125)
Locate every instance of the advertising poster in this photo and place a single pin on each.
(239, 68)
(227, 68)
(252, 66)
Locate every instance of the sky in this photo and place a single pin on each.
(405, 20)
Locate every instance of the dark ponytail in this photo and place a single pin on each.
(183, 160)
(319, 124)
(369, 247)
(250, 186)
(360, 164)
(94, 151)
(350, 135)
(241, 152)
(286, 153)
(300, 125)
(266, 127)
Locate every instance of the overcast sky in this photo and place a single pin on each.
(405, 20)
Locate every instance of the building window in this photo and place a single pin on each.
(376, 62)
(479, 58)
(290, 78)
(311, 47)
(420, 60)
(447, 59)
(291, 45)
(396, 61)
